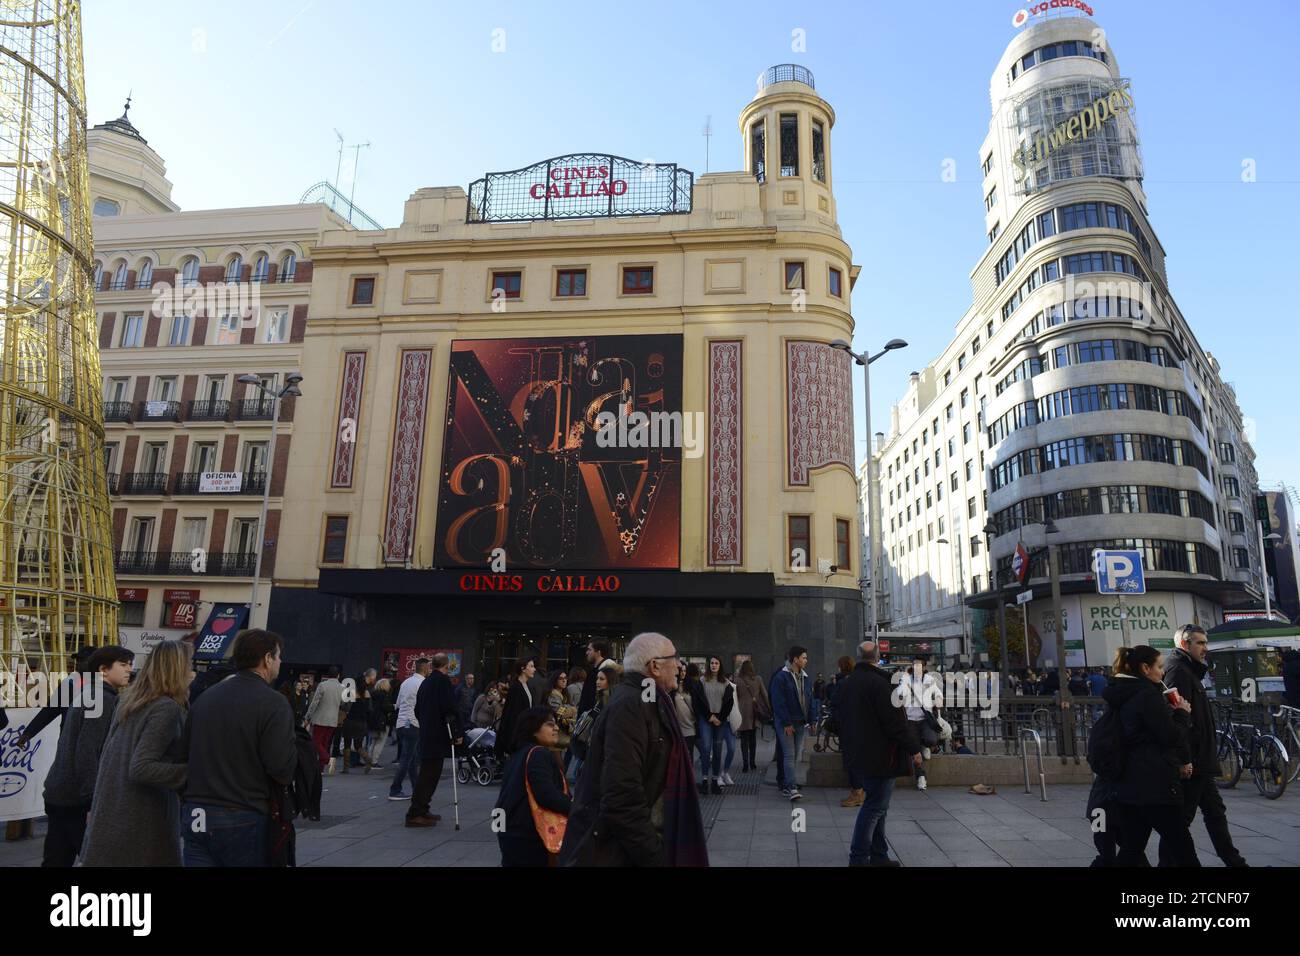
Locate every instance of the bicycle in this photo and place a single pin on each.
(825, 738)
(1264, 757)
(1286, 727)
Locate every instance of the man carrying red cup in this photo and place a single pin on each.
(1184, 670)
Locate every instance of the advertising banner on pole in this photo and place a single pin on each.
(23, 770)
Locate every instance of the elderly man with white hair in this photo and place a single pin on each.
(636, 803)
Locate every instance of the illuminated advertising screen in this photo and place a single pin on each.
(563, 453)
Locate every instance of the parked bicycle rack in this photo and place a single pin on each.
(1024, 756)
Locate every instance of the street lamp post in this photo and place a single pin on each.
(873, 490)
(290, 389)
(961, 591)
(1263, 567)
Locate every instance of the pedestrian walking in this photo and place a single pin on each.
(684, 705)
(408, 730)
(66, 693)
(238, 744)
(1184, 672)
(324, 713)
(1097, 682)
(755, 710)
(577, 680)
(356, 723)
(565, 713)
(876, 744)
(1156, 758)
(435, 709)
(857, 792)
(791, 693)
(518, 699)
(135, 819)
(920, 694)
(467, 693)
(598, 654)
(70, 781)
(712, 723)
(635, 803)
(381, 717)
(534, 794)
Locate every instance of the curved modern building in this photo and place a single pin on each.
(1073, 391)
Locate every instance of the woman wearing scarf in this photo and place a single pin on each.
(518, 699)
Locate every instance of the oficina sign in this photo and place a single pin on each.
(576, 182)
(1047, 6)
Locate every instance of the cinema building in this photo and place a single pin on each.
(585, 398)
(1073, 390)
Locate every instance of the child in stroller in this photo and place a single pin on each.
(477, 761)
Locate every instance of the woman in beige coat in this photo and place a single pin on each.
(755, 710)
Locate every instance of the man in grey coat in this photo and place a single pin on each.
(323, 713)
(70, 784)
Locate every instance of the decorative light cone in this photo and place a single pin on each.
(57, 590)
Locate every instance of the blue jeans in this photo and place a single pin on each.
(709, 740)
(790, 748)
(408, 738)
(225, 837)
(869, 844)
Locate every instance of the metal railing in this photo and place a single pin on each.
(143, 483)
(1024, 758)
(1002, 733)
(208, 410)
(158, 411)
(787, 73)
(211, 564)
(254, 409)
(117, 411)
(189, 482)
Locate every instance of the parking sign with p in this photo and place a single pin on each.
(1118, 572)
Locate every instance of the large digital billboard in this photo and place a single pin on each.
(529, 474)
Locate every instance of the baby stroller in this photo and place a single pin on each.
(478, 761)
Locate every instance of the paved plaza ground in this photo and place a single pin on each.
(750, 825)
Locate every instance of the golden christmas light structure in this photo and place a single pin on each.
(57, 590)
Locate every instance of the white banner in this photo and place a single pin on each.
(142, 640)
(220, 482)
(22, 771)
(155, 409)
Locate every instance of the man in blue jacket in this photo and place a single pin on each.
(791, 693)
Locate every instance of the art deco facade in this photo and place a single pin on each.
(450, 486)
(187, 302)
(1074, 388)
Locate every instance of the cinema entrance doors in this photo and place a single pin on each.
(555, 646)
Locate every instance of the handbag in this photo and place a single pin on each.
(733, 717)
(550, 825)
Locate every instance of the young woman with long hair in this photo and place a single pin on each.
(135, 817)
(713, 727)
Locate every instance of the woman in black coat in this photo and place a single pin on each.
(534, 766)
(1148, 794)
(519, 698)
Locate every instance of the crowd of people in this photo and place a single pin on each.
(599, 765)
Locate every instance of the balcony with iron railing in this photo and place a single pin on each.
(190, 483)
(254, 409)
(208, 410)
(157, 411)
(143, 483)
(118, 411)
(786, 73)
(229, 564)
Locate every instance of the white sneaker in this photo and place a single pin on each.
(727, 781)
(329, 768)
(920, 782)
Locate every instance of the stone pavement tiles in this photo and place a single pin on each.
(751, 825)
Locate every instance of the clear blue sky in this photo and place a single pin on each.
(242, 99)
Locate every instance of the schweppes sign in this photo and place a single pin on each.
(1077, 128)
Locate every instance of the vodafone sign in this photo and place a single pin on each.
(1047, 6)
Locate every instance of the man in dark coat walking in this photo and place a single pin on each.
(873, 739)
(435, 709)
(1184, 671)
(636, 803)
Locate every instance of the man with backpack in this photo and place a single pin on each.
(1184, 672)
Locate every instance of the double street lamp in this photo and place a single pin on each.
(961, 591)
(290, 389)
(873, 491)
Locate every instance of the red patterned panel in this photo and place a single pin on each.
(819, 408)
(725, 454)
(354, 374)
(408, 450)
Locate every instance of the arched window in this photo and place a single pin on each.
(119, 276)
(288, 265)
(260, 268)
(99, 274)
(190, 270)
(106, 207)
(235, 269)
(145, 279)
